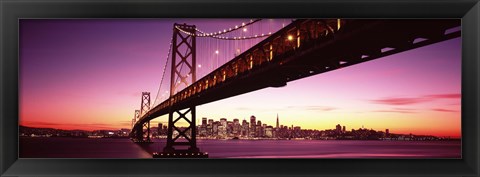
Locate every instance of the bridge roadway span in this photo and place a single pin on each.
(304, 48)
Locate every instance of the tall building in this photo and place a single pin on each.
(215, 128)
(252, 121)
(338, 128)
(277, 122)
(244, 131)
(160, 126)
(204, 121)
(269, 131)
(209, 128)
(236, 127)
(259, 129)
(223, 121)
(252, 126)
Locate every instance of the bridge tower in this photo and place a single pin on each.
(135, 117)
(183, 73)
(145, 106)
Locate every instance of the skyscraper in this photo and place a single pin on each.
(236, 127)
(252, 126)
(252, 120)
(159, 130)
(204, 121)
(277, 122)
(223, 122)
(338, 128)
(244, 131)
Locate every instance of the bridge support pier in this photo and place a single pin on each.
(186, 136)
(181, 136)
(142, 134)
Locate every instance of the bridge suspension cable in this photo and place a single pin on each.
(218, 48)
(204, 34)
(217, 35)
(163, 72)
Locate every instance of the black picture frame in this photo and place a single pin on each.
(11, 11)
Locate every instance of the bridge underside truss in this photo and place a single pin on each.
(305, 48)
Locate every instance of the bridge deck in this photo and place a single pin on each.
(305, 48)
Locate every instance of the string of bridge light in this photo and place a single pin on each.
(164, 69)
(204, 34)
(216, 35)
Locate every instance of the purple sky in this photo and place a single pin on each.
(89, 74)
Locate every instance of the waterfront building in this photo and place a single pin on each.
(223, 122)
(252, 126)
(269, 131)
(236, 127)
(244, 128)
(215, 128)
(338, 128)
(204, 121)
(159, 129)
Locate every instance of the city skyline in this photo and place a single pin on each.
(416, 91)
(155, 131)
(200, 123)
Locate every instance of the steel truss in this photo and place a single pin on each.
(183, 56)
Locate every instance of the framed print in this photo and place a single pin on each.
(220, 88)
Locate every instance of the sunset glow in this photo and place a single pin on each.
(89, 75)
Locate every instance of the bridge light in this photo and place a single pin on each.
(290, 37)
(271, 52)
(199, 66)
(216, 51)
(338, 24)
(244, 29)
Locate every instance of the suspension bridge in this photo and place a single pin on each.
(299, 49)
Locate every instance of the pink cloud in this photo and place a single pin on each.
(446, 96)
(400, 101)
(415, 100)
(444, 110)
(313, 108)
(398, 110)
